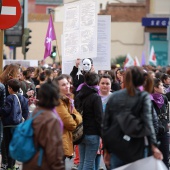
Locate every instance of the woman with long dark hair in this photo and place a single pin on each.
(144, 138)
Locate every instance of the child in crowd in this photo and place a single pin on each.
(12, 114)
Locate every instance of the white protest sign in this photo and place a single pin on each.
(144, 164)
(80, 30)
(102, 61)
(23, 63)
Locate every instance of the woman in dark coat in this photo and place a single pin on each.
(89, 102)
(160, 104)
(119, 103)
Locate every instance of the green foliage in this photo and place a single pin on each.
(119, 60)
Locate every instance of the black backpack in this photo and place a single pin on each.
(125, 137)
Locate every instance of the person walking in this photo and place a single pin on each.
(144, 137)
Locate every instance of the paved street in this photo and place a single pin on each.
(69, 164)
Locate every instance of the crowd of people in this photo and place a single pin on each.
(96, 99)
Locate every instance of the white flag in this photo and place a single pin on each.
(136, 62)
(129, 61)
(152, 57)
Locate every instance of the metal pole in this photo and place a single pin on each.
(24, 56)
(0, 6)
(1, 49)
(25, 13)
(25, 6)
(168, 39)
(14, 53)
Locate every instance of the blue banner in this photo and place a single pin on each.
(155, 22)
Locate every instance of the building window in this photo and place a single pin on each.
(141, 1)
(49, 2)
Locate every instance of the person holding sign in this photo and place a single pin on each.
(78, 75)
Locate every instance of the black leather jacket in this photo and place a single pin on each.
(2, 95)
(163, 116)
(116, 104)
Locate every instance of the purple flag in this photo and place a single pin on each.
(50, 36)
(143, 61)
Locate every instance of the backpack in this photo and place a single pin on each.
(22, 147)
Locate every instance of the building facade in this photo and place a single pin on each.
(155, 26)
(42, 6)
(128, 33)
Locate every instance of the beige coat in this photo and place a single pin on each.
(69, 123)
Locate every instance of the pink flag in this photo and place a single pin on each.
(50, 36)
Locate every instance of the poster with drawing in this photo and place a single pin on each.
(80, 30)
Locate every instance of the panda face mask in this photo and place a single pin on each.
(87, 65)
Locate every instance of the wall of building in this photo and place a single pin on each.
(31, 6)
(36, 49)
(34, 8)
(43, 8)
(121, 12)
(126, 37)
(161, 7)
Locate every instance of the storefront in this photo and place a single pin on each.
(157, 30)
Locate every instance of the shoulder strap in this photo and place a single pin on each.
(39, 112)
(40, 158)
(18, 102)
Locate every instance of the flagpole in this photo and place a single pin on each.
(58, 52)
(52, 11)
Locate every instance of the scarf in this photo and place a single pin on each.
(158, 99)
(91, 87)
